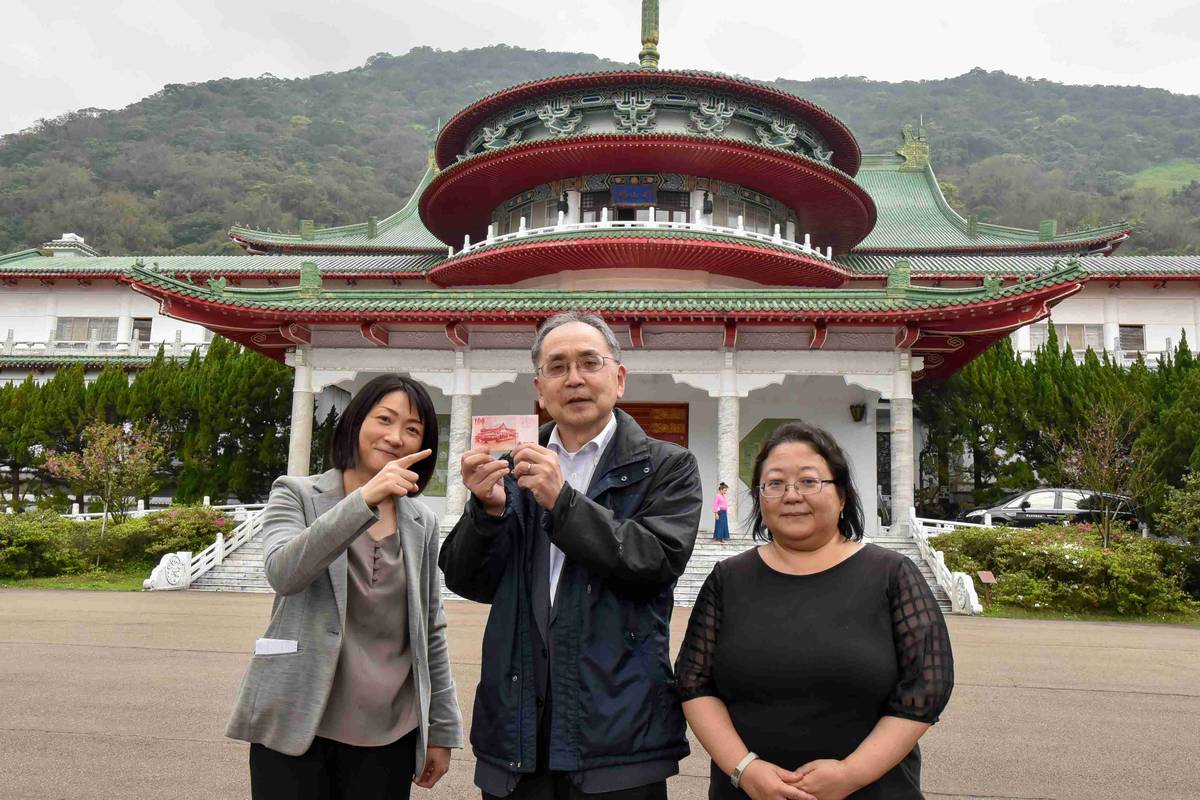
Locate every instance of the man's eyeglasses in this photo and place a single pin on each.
(589, 363)
(803, 486)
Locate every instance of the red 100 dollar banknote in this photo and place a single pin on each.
(500, 433)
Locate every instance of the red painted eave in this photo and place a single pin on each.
(833, 208)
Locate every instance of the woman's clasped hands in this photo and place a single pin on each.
(824, 779)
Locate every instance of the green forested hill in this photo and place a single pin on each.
(172, 172)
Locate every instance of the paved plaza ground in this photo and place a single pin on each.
(114, 695)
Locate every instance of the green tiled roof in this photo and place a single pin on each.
(402, 230)
(972, 266)
(913, 215)
(35, 362)
(33, 263)
(517, 302)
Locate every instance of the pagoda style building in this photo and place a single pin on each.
(756, 264)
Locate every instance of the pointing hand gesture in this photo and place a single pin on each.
(394, 480)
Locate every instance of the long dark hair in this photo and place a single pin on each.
(850, 523)
(343, 448)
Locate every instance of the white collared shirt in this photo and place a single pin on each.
(577, 470)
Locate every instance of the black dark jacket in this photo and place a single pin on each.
(625, 541)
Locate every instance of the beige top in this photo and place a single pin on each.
(372, 702)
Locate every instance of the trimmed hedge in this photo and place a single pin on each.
(43, 544)
(1064, 568)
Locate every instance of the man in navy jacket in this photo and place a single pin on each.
(576, 542)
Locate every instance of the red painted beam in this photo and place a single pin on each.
(819, 336)
(906, 336)
(375, 333)
(636, 341)
(457, 334)
(296, 333)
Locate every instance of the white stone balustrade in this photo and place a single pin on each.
(99, 348)
(803, 247)
(958, 585)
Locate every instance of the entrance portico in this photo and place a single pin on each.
(727, 391)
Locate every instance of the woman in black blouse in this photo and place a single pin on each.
(813, 663)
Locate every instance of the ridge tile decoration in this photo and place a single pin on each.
(689, 102)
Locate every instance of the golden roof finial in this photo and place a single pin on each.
(649, 55)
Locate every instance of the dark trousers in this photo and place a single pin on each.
(331, 770)
(558, 786)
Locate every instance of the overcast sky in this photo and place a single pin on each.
(61, 55)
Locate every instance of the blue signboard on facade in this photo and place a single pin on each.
(639, 194)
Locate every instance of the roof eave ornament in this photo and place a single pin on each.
(648, 58)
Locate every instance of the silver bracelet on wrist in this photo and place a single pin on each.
(735, 777)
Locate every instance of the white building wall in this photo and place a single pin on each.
(1164, 312)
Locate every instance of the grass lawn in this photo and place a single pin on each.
(123, 580)
(1191, 619)
(1169, 176)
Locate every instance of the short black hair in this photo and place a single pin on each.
(343, 448)
(850, 523)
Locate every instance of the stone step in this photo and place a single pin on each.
(241, 570)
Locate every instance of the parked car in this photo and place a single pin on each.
(1038, 506)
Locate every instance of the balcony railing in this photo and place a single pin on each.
(99, 348)
(1126, 358)
(804, 247)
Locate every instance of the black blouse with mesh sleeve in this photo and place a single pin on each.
(807, 664)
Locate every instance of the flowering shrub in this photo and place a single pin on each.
(1064, 567)
(39, 544)
(44, 544)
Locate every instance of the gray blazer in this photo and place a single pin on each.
(307, 525)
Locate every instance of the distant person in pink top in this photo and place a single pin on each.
(721, 512)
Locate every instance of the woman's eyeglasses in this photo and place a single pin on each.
(803, 486)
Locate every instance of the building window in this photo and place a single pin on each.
(590, 204)
(755, 218)
(1070, 337)
(672, 207)
(514, 217)
(1133, 337)
(86, 329)
(141, 329)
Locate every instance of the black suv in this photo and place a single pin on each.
(1038, 506)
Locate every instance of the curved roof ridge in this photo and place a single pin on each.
(419, 239)
(914, 216)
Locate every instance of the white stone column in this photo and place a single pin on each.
(125, 322)
(460, 435)
(1022, 341)
(903, 478)
(300, 442)
(1194, 337)
(1112, 325)
(729, 440)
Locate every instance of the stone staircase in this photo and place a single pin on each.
(906, 546)
(708, 553)
(240, 571)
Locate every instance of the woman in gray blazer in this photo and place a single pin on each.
(349, 693)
